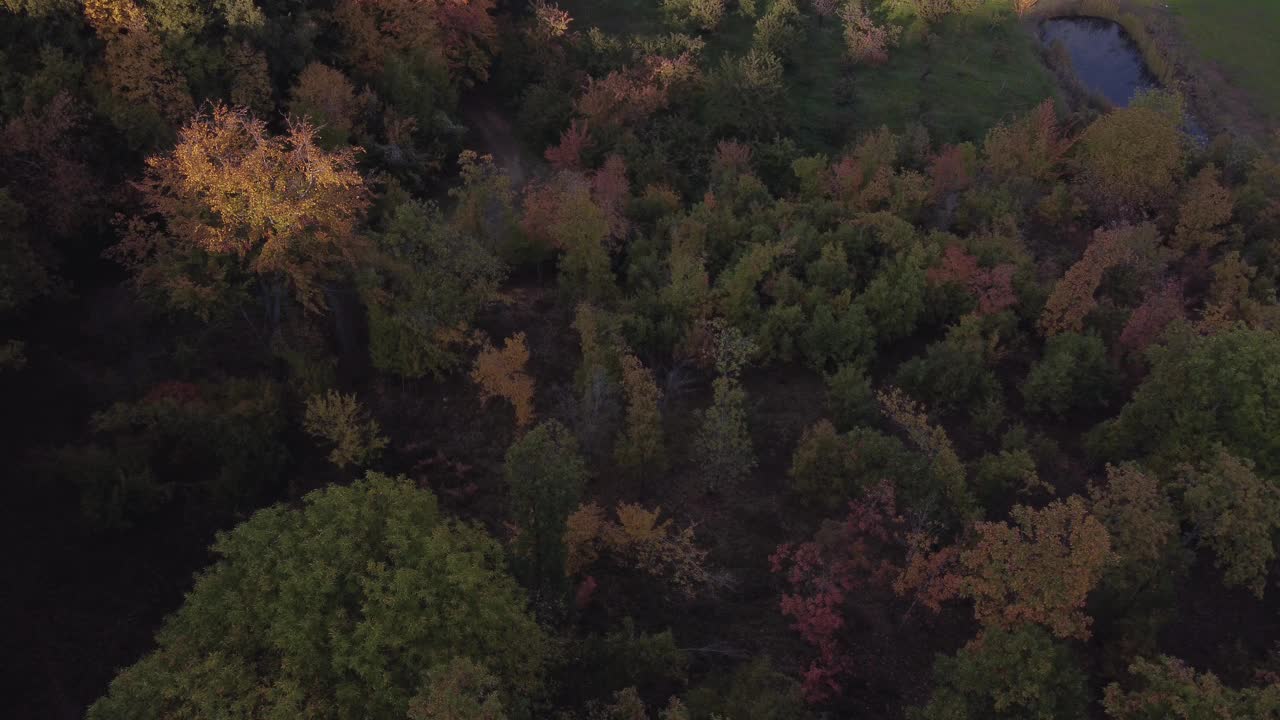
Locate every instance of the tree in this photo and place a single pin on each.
(946, 476)
(501, 373)
(894, 299)
(722, 446)
(1237, 514)
(1139, 518)
(344, 423)
(251, 79)
(1020, 673)
(1072, 298)
(1206, 206)
(1040, 571)
(545, 475)
(829, 468)
(1030, 150)
(1131, 158)
(1201, 391)
(698, 14)
(459, 690)
(278, 207)
(641, 451)
(868, 43)
(639, 542)
(1074, 374)
(328, 100)
(424, 289)
(146, 90)
(955, 372)
(1161, 308)
(1171, 690)
(334, 610)
(779, 29)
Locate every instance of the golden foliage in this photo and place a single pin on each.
(1040, 571)
(1206, 206)
(501, 373)
(135, 67)
(343, 421)
(280, 204)
(638, 541)
(641, 450)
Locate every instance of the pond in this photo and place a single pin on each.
(1103, 56)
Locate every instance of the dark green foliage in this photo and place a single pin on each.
(839, 334)
(627, 657)
(220, 447)
(1007, 674)
(336, 610)
(753, 691)
(954, 372)
(850, 398)
(546, 475)
(1074, 374)
(424, 295)
(1202, 390)
(1170, 690)
(830, 469)
(894, 300)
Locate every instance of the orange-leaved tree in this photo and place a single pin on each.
(500, 373)
(278, 207)
(1072, 298)
(1040, 570)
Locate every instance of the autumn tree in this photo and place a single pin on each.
(1140, 519)
(1018, 673)
(251, 79)
(698, 14)
(231, 199)
(1040, 570)
(868, 43)
(1073, 298)
(1031, 149)
(638, 542)
(500, 372)
(1237, 513)
(343, 422)
(545, 475)
(1169, 689)
(319, 611)
(991, 287)
(1161, 308)
(1131, 158)
(1206, 206)
(146, 90)
(641, 450)
(562, 215)
(328, 100)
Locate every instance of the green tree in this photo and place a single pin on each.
(334, 611)
(1202, 391)
(1238, 515)
(546, 475)
(1074, 374)
(425, 288)
(1019, 673)
(722, 446)
(459, 690)
(894, 300)
(1170, 690)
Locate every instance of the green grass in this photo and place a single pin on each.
(1240, 35)
(976, 71)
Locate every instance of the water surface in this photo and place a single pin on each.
(1104, 57)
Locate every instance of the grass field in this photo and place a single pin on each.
(974, 71)
(1241, 36)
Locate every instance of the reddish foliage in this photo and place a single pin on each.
(847, 559)
(949, 170)
(586, 591)
(732, 157)
(174, 391)
(41, 159)
(568, 154)
(628, 96)
(1151, 318)
(610, 190)
(469, 33)
(991, 287)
